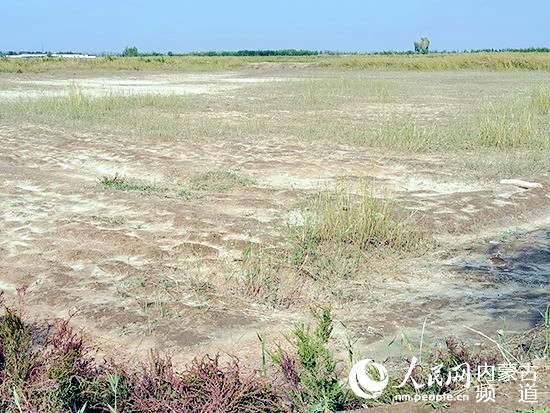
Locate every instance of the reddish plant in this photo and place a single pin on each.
(204, 386)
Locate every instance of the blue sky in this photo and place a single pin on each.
(345, 25)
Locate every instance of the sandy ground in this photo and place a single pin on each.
(161, 83)
(145, 271)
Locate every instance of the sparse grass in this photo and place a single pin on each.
(502, 126)
(492, 165)
(267, 277)
(336, 107)
(507, 126)
(402, 135)
(219, 180)
(120, 183)
(154, 295)
(382, 90)
(357, 110)
(143, 116)
(331, 92)
(260, 274)
(540, 100)
(339, 233)
(109, 220)
(104, 107)
(210, 181)
(358, 219)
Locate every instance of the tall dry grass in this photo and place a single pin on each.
(351, 108)
(431, 62)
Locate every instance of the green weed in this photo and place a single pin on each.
(113, 380)
(310, 372)
(109, 220)
(15, 337)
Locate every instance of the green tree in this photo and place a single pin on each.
(130, 52)
(422, 46)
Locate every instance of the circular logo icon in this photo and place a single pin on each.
(363, 383)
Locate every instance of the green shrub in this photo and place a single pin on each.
(310, 372)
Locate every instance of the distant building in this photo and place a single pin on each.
(43, 55)
(74, 56)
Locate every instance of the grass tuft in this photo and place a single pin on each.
(401, 134)
(540, 100)
(507, 126)
(334, 239)
(358, 219)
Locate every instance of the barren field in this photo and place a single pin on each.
(161, 210)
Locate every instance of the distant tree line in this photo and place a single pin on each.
(526, 50)
(282, 52)
(133, 52)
